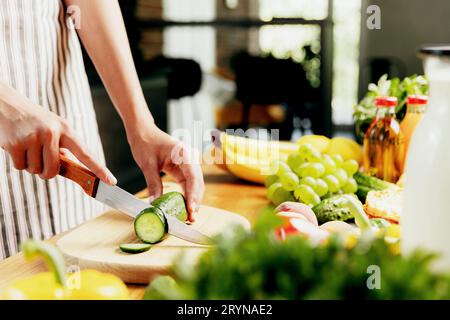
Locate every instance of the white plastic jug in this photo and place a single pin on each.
(426, 217)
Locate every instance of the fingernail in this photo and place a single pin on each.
(111, 178)
(151, 198)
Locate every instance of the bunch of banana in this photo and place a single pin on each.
(250, 159)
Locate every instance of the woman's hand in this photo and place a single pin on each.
(155, 152)
(33, 137)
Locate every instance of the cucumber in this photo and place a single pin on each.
(362, 192)
(332, 209)
(372, 182)
(150, 225)
(135, 247)
(173, 204)
(368, 183)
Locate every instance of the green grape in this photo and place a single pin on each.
(338, 159)
(332, 182)
(306, 151)
(329, 164)
(315, 200)
(270, 180)
(309, 181)
(294, 161)
(350, 166)
(304, 193)
(342, 176)
(277, 194)
(351, 186)
(289, 180)
(321, 187)
(313, 169)
(281, 196)
(272, 188)
(318, 170)
(280, 168)
(301, 169)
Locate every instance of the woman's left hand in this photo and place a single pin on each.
(156, 152)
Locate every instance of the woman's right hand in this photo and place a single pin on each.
(34, 136)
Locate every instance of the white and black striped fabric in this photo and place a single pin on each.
(40, 57)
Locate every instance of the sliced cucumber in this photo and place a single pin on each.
(173, 204)
(135, 247)
(150, 225)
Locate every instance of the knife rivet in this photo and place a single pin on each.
(89, 182)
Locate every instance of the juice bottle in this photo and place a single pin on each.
(416, 105)
(384, 143)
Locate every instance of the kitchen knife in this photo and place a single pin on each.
(123, 201)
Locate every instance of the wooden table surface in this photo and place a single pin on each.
(222, 191)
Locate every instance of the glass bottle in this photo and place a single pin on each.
(425, 219)
(416, 106)
(383, 142)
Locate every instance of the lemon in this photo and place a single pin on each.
(347, 148)
(319, 143)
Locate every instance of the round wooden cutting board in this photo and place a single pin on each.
(95, 245)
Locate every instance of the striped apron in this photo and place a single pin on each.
(40, 56)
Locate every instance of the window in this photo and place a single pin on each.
(197, 43)
(287, 41)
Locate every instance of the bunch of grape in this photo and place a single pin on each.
(309, 176)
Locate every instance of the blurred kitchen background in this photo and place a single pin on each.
(295, 65)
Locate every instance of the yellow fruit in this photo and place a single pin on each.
(250, 159)
(257, 148)
(247, 168)
(319, 143)
(347, 148)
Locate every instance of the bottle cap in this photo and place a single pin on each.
(417, 99)
(386, 101)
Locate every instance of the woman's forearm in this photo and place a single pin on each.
(103, 34)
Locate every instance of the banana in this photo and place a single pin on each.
(244, 167)
(250, 159)
(258, 148)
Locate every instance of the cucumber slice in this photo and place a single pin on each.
(173, 204)
(135, 247)
(150, 225)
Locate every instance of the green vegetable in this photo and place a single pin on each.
(173, 204)
(135, 247)
(332, 208)
(362, 192)
(150, 225)
(257, 266)
(364, 112)
(357, 211)
(368, 183)
(372, 182)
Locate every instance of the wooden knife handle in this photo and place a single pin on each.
(79, 174)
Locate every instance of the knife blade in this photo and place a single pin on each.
(117, 198)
